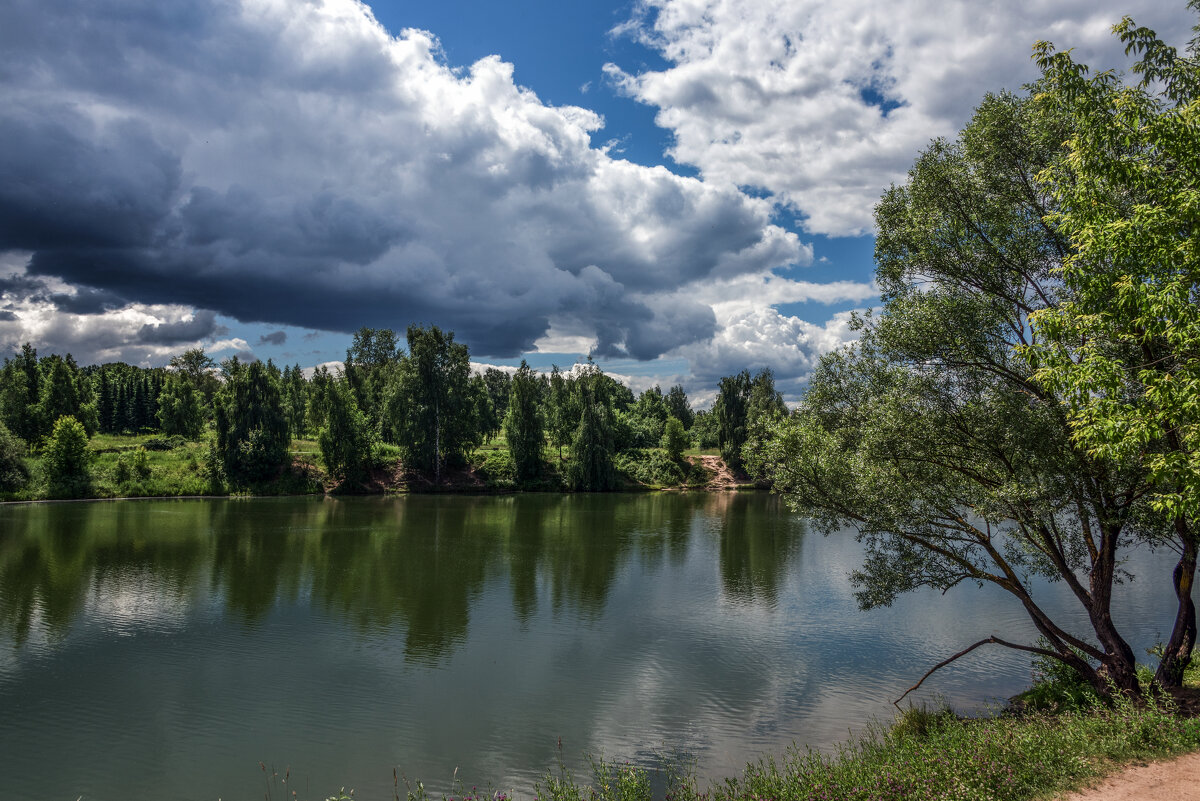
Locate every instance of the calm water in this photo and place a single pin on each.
(161, 649)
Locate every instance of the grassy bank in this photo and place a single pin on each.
(924, 755)
(153, 465)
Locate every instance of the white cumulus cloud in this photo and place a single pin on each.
(824, 104)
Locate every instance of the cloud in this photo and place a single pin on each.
(294, 164)
(273, 338)
(823, 105)
(754, 338)
(200, 325)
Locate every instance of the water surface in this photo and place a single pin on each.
(162, 649)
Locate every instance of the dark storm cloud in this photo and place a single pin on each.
(7, 316)
(273, 338)
(87, 301)
(292, 164)
(70, 181)
(20, 285)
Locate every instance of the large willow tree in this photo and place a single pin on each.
(931, 438)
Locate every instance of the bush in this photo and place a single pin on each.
(66, 454)
(1056, 685)
(674, 439)
(133, 464)
(160, 443)
(496, 468)
(650, 467)
(14, 472)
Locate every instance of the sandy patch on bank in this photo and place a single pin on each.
(1174, 780)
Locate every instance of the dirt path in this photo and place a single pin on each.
(722, 479)
(1174, 780)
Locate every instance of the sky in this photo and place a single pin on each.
(679, 188)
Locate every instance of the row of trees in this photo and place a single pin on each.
(419, 396)
(1027, 401)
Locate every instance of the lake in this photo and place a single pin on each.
(162, 649)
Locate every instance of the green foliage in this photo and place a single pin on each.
(66, 456)
(347, 439)
(929, 754)
(497, 382)
(921, 721)
(1004, 758)
(429, 407)
(197, 367)
(20, 383)
(179, 409)
(930, 437)
(133, 465)
(252, 431)
(523, 425)
(496, 468)
(488, 418)
(674, 439)
(14, 472)
(731, 411)
(214, 468)
(678, 406)
(127, 398)
(562, 409)
(1124, 347)
(590, 467)
(295, 400)
(161, 443)
(705, 431)
(317, 404)
(647, 418)
(650, 467)
(371, 363)
(1058, 686)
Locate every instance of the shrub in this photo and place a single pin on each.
(651, 467)
(496, 468)
(1056, 685)
(66, 453)
(160, 443)
(133, 464)
(674, 439)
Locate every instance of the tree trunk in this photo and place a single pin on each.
(1177, 654)
(1118, 666)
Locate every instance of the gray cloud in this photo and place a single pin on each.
(295, 165)
(201, 326)
(86, 300)
(273, 338)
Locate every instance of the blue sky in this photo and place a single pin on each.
(681, 188)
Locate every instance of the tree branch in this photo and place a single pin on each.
(965, 651)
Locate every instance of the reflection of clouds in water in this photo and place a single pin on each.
(128, 602)
(39, 639)
(641, 627)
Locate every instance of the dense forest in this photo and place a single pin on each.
(412, 405)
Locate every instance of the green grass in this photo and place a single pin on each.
(1007, 757)
(176, 468)
(925, 755)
